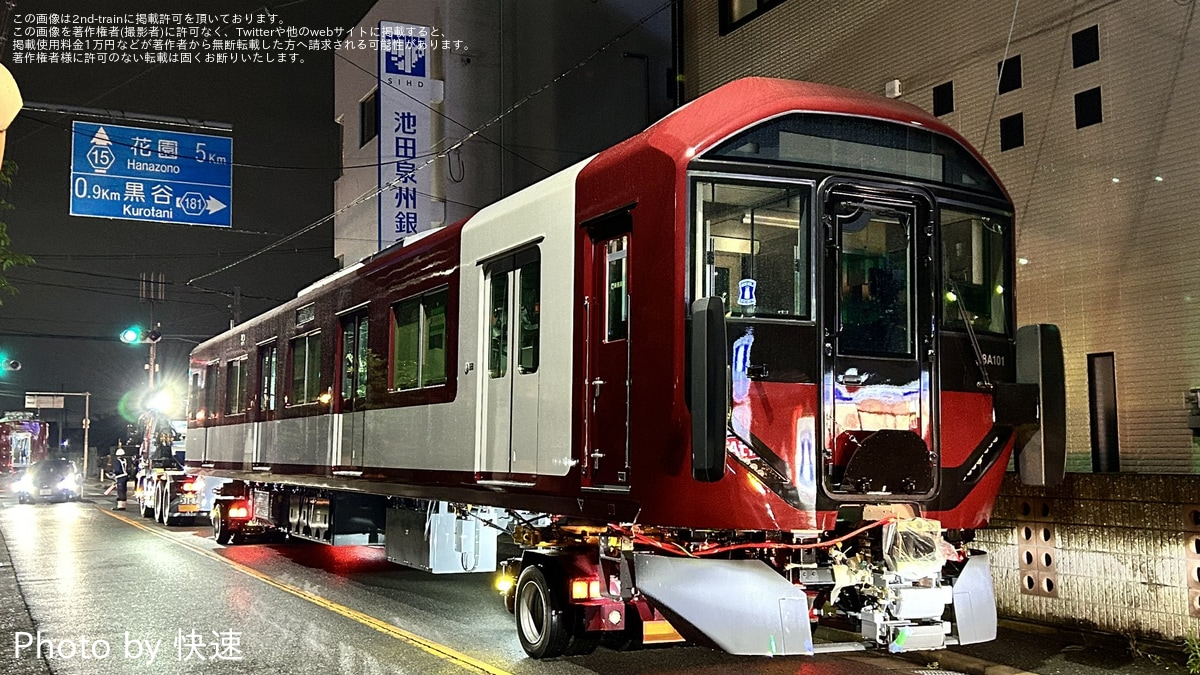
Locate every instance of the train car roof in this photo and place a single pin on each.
(705, 122)
(685, 133)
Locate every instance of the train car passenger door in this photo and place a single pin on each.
(350, 424)
(879, 323)
(512, 322)
(607, 383)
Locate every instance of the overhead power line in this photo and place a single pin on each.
(375, 192)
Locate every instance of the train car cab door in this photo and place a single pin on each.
(606, 450)
(879, 334)
(350, 424)
(512, 306)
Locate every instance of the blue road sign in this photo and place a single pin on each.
(151, 174)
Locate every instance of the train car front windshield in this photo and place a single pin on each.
(860, 145)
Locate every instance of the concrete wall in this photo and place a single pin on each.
(1124, 553)
(1115, 263)
(508, 50)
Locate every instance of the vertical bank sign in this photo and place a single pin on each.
(405, 95)
(151, 174)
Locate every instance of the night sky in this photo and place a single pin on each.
(63, 323)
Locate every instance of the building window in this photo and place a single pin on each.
(734, 13)
(1008, 72)
(1085, 46)
(368, 118)
(306, 369)
(943, 99)
(1087, 108)
(235, 387)
(1012, 132)
(267, 358)
(419, 341)
(341, 126)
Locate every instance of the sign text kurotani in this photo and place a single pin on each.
(405, 94)
(151, 174)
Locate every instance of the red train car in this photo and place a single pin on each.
(754, 367)
(24, 439)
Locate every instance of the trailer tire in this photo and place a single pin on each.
(221, 531)
(546, 623)
(158, 506)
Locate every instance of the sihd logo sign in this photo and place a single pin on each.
(151, 174)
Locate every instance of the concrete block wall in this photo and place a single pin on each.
(1126, 552)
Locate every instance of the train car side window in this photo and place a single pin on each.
(406, 362)
(306, 369)
(211, 389)
(267, 360)
(975, 271)
(616, 280)
(419, 341)
(194, 391)
(235, 386)
(756, 247)
(355, 356)
(433, 330)
(529, 315)
(498, 328)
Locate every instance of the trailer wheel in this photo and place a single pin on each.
(546, 624)
(158, 506)
(164, 498)
(221, 531)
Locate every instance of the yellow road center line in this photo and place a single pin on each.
(438, 650)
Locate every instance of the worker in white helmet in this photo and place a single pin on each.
(120, 473)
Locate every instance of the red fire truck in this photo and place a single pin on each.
(24, 439)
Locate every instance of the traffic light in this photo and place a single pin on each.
(7, 364)
(137, 335)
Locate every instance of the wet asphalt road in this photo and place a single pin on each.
(109, 594)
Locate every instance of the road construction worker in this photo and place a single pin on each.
(120, 472)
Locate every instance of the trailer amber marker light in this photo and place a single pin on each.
(238, 512)
(584, 589)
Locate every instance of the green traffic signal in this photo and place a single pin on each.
(138, 335)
